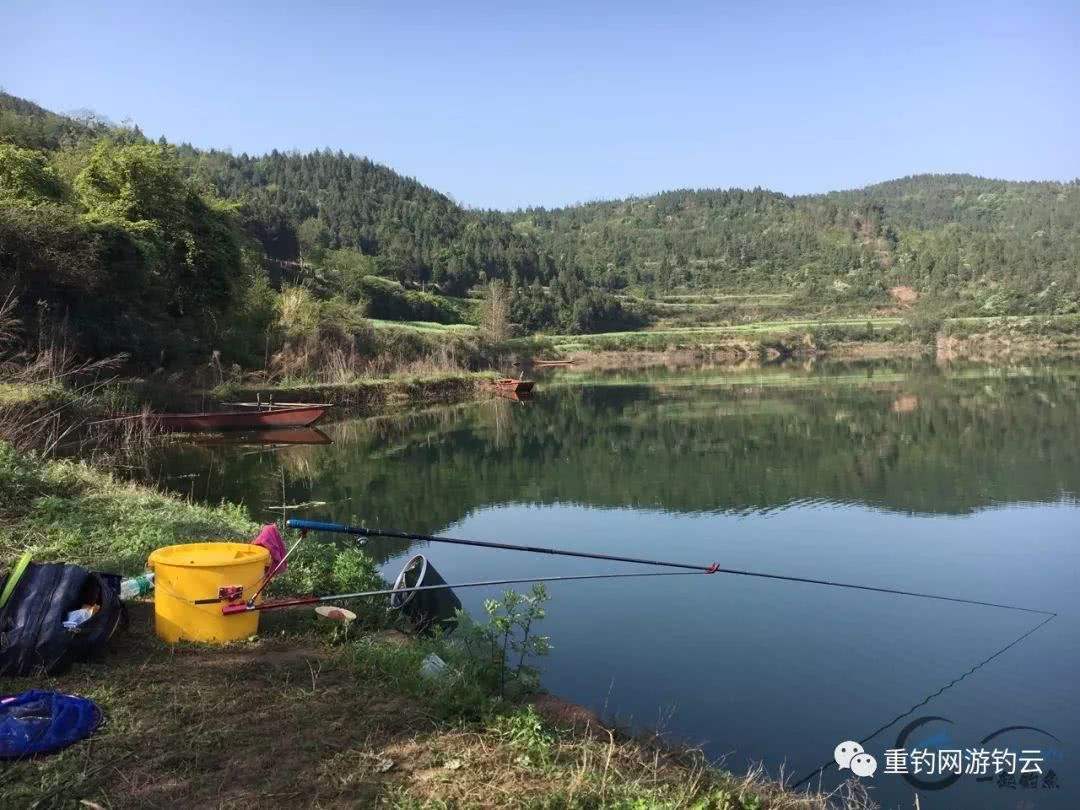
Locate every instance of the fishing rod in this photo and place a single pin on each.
(714, 568)
(244, 607)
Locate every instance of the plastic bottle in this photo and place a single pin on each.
(77, 617)
(433, 667)
(137, 586)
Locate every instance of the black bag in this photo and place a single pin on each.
(32, 632)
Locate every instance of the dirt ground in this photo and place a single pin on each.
(283, 721)
(254, 724)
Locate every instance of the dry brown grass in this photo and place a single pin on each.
(48, 394)
(333, 357)
(903, 295)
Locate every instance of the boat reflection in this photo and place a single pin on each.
(514, 396)
(274, 436)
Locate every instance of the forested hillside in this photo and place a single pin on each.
(170, 254)
(297, 203)
(975, 244)
(326, 200)
(112, 243)
(105, 248)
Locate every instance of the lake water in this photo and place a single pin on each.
(959, 482)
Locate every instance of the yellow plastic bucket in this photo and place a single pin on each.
(183, 574)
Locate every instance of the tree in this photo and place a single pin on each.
(350, 267)
(26, 177)
(137, 185)
(189, 243)
(314, 238)
(495, 311)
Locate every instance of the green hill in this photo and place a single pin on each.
(169, 253)
(325, 200)
(987, 246)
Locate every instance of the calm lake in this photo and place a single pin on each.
(959, 481)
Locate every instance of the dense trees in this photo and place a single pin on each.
(983, 245)
(330, 200)
(187, 231)
(173, 252)
(570, 304)
(26, 124)
(110, 243)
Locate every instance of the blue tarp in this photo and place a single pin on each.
(39, 722)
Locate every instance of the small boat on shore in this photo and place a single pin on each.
(545, 363)
(266, 416)
(509, 384)
(514, 396)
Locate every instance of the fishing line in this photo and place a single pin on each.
(930, 697)
(341, 528)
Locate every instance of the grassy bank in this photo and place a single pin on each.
(304, 714)
(60, 405)
(366, 393)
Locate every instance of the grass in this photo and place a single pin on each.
(755, 336)
(425, 326)
(50, 407)
(65, 510)
(403, 377)
(17, 395)
(720, 295)
(702, 335)
(305, 714)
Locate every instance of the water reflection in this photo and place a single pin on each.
(270, 437)
(907, 442)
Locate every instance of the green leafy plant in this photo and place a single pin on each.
(498, 651)
(524, 730)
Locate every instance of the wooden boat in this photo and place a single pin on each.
(543, 363)
(514, 396)
(275, 416)
(515, 386)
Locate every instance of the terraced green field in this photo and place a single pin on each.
(424, 326)
(663, 335)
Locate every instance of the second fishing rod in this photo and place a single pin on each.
(714, 568)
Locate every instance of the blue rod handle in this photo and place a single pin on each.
(323, 526)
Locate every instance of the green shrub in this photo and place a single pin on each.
(388, 300)
(497, 652)
(21, 478)
(26, 177)
(525, 731)
(320, 567)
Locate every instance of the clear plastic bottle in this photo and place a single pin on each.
(77, 617)
(137, 586)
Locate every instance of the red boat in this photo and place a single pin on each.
(514, 386)
(276, 416)
(514, 396)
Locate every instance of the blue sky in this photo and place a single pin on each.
(501, 105)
